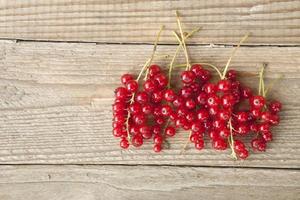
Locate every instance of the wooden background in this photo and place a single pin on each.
(59, 63)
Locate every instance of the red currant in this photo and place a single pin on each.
(188, 77)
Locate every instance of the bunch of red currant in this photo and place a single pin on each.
(225, 112)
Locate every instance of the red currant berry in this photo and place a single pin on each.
(118, 131)
(188, 77)
(223, 115)
(228, 100)
(125, 78)
(157, 96)
(246, 92)
(196, 68)
(213, 100)
(137, 140)
(124, 143)
(132, 86)
(197, 127)
(159, 120)
(264, 127)
(170, 131)
(169, 95)
(224, 132)
(257, 102)
(153, 70)
(210, 88)
(145, 131)
(157, 139)
(157, 148)
(274, 120)
(256, 113)
(194, 137)
(213, 134)
(147, 109)
(266, 116)
(204, 75)
(162, 80)
(134, 130)
(118, 107)
(150, 85)
(231, 74)
(202, 98)
(275, 106)
(219, 144)
(139, 119)
(199, 144)
(218, 124)
(142, 97)
(239, 146)
(121, 93)
(242, 116)
(202, 114)
(166, 110)
(186, 92)
(224, 85)
(243, 154)
(242, 129)
(267, 136)
(156, 129)
(190, 117)
(135, 108)
(178, 102)
(254, 127)
(190, 104)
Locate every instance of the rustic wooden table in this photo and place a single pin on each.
(61, 60)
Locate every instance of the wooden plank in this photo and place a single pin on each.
(132, 21)
(55, 104)
(142, 182)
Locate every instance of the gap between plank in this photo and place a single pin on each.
(148, 43)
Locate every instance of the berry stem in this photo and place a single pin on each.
(176, 53)
(231, 140)
(182, 40)
(261, 88)
(186, 144)
(233, 53)
(154, 49)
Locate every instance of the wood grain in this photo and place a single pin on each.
(142, 182)
(55, 104)
(133, 21)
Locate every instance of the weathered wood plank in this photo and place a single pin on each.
(55, 104)
(142, 182)
(271, 22)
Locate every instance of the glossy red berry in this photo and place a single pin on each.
(227, 101)
(257, 102)
(274, 120)
(224, 132)
(202, 114)
(150, 85)
(199, 144)
(142, 97)
(153, 70)
(190, 103)
(197, 69)
(238, 146)
(147, 109)
(125, 78)
(124, 143)
(213, 100)
(121, 93)
(219, 144)
(135, 108)
(178, 102)
(204, 75)
(188, 77)
(275, 106)
(264, 127)
(210, 88)
(166, 110)
(132, 86)
(202, 98)
(256, 113)
(224, 85)
(213, 134)
(157, 96)
(137, 140)
(169, 95)
(242, 116)
(157, 148)
(197, 126)
(267, 136)
(246, 92)
(156, 129)
(242, 128)
(145, 131)
(186, 92)
(224, 115)
(139, 119)
(162, 80)
(243, 154)
(170, 131)
(231, 74)
(157, 139)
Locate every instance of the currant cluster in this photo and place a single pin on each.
(225, 111)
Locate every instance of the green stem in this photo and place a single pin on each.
(233, 53)
(231, 140)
